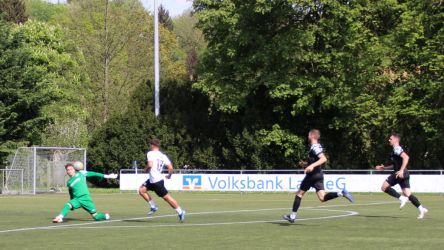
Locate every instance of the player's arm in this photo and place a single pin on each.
(405, 161)
(316, 164)
(384, 167)
(148, 166)
(100, 175)
(170, 170)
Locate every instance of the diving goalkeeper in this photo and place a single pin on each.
(79, 193)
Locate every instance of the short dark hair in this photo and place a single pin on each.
(69, 165)
(397, 135)
(155, 142)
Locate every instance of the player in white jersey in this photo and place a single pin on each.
(156, 161)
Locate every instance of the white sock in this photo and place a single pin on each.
(179, 210)
(402, 197)
(340, 194)
(152, 203)
(420, 207)
(293, 215)
(61, 216)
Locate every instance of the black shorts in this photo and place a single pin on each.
(158, 187)
(313, 180)
(404, 183)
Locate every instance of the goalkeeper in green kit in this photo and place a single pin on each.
(79, 193)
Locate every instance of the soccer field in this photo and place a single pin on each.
(223, 221)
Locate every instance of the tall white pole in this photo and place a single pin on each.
(156, 60)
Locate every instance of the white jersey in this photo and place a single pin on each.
(159, 160)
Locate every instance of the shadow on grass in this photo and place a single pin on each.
(77, 219)
(138, 221)
(287, 224)
(379, 216)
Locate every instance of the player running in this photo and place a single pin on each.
(400, 175)
(156, 161)
(314, 177)
(79, 193)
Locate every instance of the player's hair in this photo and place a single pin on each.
(155, 142)
(394, 134)
(316, 132)
(69, 165)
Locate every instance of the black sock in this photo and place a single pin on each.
(330, 196)
(392, 192)
(414, 200)
(296, 203)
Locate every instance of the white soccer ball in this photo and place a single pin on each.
(78, 165)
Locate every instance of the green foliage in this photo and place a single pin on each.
(38, 76)
(13, 11)
(164, 18)
(44, 11)
(115, 38)
(356, 70)
(190, 39)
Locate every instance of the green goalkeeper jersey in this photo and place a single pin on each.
(77, 184)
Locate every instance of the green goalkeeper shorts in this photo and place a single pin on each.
(85, 203)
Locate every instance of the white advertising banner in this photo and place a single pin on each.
(281, 182)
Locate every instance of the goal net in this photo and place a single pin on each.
(39, 169)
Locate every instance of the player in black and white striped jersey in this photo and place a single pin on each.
(400, 175)
(314, 177)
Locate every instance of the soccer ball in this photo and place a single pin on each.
(78, 165)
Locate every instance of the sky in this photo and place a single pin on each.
(175, 7)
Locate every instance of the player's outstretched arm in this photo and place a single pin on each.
(106, 176)
(110, 176)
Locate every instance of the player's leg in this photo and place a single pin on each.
(387, 187)
(323, 197)
(161, 191)
(296, 204)
(405, 185)
(70, 205)
(305, 186)
(89, 206)
(143, 191)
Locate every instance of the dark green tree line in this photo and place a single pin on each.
(355, 69)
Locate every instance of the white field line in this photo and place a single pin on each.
(347, 213)
(199, 213)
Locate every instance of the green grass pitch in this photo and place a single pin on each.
(223, 221)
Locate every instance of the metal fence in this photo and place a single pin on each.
(283, 171)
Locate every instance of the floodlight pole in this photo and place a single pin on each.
(156, 60)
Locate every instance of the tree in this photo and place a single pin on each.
(164, 18)
(190, 39)
(40, 84)
(281, 67)
(116, 40)
(182, 129)
(13, 11)
(44, 11)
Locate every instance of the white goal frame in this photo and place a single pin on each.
(42, 169)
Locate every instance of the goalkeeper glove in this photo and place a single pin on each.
(110, 176)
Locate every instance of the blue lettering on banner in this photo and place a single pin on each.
(192, 182)
(248, 183)
(340, 183)
(242, 183)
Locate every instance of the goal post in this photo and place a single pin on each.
(42, 169)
